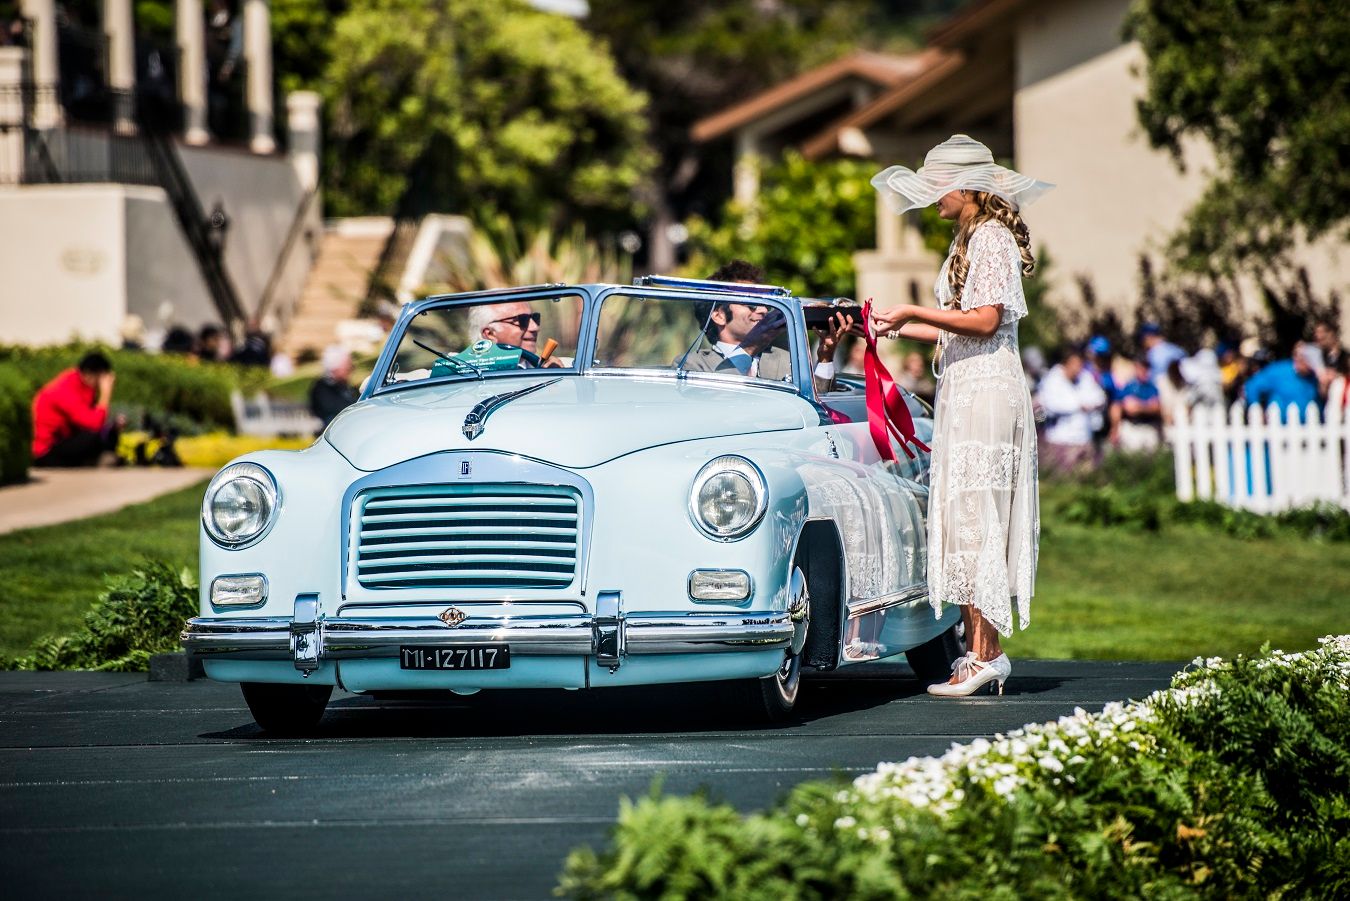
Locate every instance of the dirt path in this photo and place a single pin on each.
(60, 495)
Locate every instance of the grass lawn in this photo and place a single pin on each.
(53, 574)
(1100, 593)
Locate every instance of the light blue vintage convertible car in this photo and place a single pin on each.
(568, 487)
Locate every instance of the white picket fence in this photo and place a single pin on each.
(1249, 458)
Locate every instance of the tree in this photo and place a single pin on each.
(802, 229)
(1267, 84)
(483, 108)
(693, 58)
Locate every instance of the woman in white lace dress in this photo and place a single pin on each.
(983, 510)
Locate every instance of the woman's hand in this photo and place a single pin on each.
(890, 319)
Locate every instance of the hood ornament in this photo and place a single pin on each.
(477, 418)
(452, 616)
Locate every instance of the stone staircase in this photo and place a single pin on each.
(337, 284)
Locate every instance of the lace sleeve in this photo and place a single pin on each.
(995, 274)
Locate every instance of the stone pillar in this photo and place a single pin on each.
(192, 70)
(302, 121)
(745, 177)
(13, 68)
(119, 26)
(46, 74)
(258, 55)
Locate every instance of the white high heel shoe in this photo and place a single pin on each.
(974, 674)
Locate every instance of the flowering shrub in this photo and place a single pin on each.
(1233, 782)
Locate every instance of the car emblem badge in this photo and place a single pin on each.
(465, 469)
(452, 617)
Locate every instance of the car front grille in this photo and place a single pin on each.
(467, 536)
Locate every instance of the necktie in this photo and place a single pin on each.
(741, 362)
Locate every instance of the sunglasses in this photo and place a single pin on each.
(521, 321)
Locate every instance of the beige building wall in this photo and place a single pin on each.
(1116, 197)
(162, 275)
(62, 255)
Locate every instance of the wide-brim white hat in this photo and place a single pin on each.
(959, 163)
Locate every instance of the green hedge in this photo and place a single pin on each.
(16, 425)
(1137, 491)
(140, 614)
(1234, 783)
(163, 385)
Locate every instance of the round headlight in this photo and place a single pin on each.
(729, 497)
(240, 505)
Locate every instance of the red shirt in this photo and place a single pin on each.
(62, 407)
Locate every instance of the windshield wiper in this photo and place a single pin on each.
(702, 333)
(462, 365)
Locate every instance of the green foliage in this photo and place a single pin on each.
(803, 229)
(489, 108)
(498, 258)
(140, 614)
(168, 387)
(16, 425)
(1266, 85)
(1137, 491)
(1234, 783)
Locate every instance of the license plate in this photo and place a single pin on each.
(456, 657)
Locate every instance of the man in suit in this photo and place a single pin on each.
(741, 335)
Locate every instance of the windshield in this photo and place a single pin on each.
(742, 339)
(491, 335)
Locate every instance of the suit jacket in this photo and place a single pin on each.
(775, 364)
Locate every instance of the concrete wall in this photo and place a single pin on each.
(62, 256)
(78, 258)
(260, 195)
(162, 275)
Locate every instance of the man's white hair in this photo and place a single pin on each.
(335, 356)
(480, 317)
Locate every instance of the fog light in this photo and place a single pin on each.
(719, 585)
(238, 591)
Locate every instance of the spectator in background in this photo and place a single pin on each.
(1160, 352)
(1073, 403)
(256, 349)
(1097, 362)
(1338, 393)
(211, 344)
(332, 394)
(70, 415)
(1136, 414)
(1328, 341)
(1171, 391)
(1284, 382)
(179, 340)
(915, 377)
(133, 332)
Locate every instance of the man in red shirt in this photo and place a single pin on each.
(70, 415)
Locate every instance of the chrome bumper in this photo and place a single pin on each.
(609, 636)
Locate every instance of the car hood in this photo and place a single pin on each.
(577, 421)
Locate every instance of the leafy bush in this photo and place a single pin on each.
(1137, 491)
(1233, 783)
(16, 425)
(139, 615)
(169, 388)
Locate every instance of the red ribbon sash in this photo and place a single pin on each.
(887, 412)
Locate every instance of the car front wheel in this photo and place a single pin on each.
(286, 709)
(772, 698)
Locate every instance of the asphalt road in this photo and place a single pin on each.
(112, 786)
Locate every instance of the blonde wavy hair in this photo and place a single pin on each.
(991, 206)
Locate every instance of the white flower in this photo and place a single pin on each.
(845, 823)
(803, 820)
